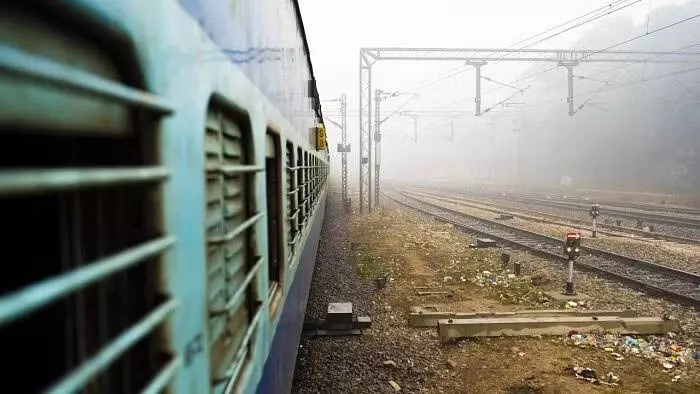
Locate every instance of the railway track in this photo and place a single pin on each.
(543, 217)
(678, 221)
(657, 279)
(625, 205)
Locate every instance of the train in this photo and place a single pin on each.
(163, 181)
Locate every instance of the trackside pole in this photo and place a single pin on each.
(572, 248)
(570, 282)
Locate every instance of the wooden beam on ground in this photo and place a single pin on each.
(430, 319)
(525, 326)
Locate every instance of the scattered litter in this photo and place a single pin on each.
(521, 354)
(676, 378)
(451, 364)
(447, 279)
(610, 379)
(395, 385)
(587, 374)
(389, 363)
(570, 304)
(669, 353)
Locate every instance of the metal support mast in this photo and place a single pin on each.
(365, 131)
(570, 79)
(415, 128)
(477, 97)
(346, 148)
(343, 146)
(377, 142)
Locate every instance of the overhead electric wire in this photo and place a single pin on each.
(645, 60)
(567, 22)
(618, 86)
(600, 72)
(646, 34)
(571, 28)
(398, 109)
(464, 67)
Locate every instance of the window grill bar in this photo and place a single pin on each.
(241, 289)
(102, 360)
(230, 170)
(236, 231)
(294, 240)
(294, 215)
(240, 356)
(163, 378)
(32, 297)
(39, 68)
(36, 181)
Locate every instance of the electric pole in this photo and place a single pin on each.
(343, 148)
(377, 143)
(344, 152)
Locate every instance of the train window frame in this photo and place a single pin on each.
(292, 205)
(237, 241)
(83, 228)
(273, 154)
(301, 190)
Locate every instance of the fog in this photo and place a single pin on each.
(635, 126)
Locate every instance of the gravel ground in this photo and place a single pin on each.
(420, 252)
(355, 364)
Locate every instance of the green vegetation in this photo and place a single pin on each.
(367, 266)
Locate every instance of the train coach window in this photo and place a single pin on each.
(233, 260)
(292, 207)
(273, 182)
(307, 187)
(81, 207)
(301, 189)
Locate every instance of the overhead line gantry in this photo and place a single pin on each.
(478, 58)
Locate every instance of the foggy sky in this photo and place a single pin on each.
(488, 145)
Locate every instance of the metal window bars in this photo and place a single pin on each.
(18, 184)
(291, 200)
(304, 183)
(232, 266)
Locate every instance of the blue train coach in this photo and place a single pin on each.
(163, 172)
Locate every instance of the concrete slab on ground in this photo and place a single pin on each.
(431, 318)
(525, 326)
(559, 297)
